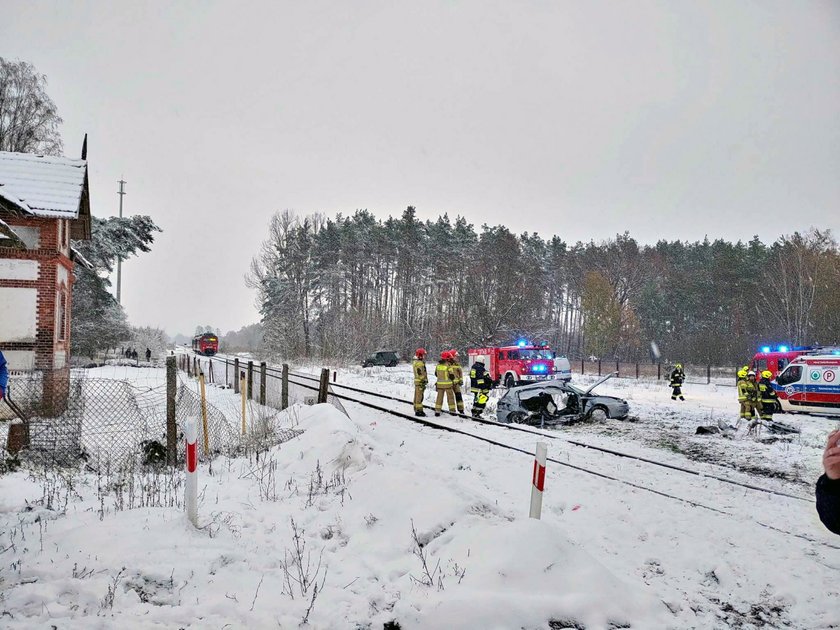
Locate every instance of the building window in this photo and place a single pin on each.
(61, 306)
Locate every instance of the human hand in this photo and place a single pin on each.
(831, 456)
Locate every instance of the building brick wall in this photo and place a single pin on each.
(55, 275)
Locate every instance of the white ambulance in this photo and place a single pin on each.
(810, 384)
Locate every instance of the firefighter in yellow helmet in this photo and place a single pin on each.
(480, 386)
(767, 396)
(421, 379)
(748, 396)
(457, 380)
(443, 374)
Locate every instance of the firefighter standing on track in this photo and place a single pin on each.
(443, 374)
(677, 379)
(480, 386)
(767, 396)
(421, 379)
(457, 380)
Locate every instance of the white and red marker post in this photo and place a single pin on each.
(191, 483)
(538, 480)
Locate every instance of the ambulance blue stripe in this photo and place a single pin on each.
(815, 389)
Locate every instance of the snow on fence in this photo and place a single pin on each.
(264, 384)
(70, 417)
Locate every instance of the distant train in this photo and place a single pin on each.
(206, 344)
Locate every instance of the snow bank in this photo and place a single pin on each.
(523, 573)
(396, 522)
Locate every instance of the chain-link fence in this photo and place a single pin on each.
(66, 417)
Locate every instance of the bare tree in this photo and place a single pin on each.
(29, 120)
(793, 281)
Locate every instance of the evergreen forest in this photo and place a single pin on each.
(346, 286)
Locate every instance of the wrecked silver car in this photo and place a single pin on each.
(550, 403)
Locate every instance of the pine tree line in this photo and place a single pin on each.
(346, 286)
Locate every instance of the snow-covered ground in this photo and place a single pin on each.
(399, 522)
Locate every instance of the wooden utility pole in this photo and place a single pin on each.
(242, 387)
(122, 194)
(262, 382)
(204, 414)
(323, 385)
(250, 380)
(284, 388)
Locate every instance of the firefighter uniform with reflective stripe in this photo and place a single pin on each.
(443, 374)
(480, 385)
(768, 398)
(677, 379)
(457, 383)
(748, 397)
(421, 379)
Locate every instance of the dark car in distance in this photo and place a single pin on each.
(386, 358)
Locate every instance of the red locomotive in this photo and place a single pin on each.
(206, 344)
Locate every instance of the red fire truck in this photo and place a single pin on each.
(522, 363)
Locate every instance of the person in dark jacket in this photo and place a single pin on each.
(828, 485)
(4, 376)
(677, 380)
(767, 398)
(480, 386)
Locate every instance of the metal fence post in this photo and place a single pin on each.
(250, 380)
(262, 383)
(236, 376)
(708, 373)
(659, 371)
(322, 386)
(581, 367)
(171, 429)
(599, 367)
(617, 369)
(284, 387)
(637, 370)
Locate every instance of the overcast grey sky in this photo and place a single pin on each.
(582, 119)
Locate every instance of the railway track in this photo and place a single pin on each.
(494, 433)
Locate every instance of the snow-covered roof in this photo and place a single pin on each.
(8, 237)
(78, 257)
(48, 187)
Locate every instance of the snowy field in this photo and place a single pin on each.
(363, 521)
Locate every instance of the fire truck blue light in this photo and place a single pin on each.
(783, 348)
(765, 349)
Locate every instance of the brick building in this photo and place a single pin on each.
(44, 202)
